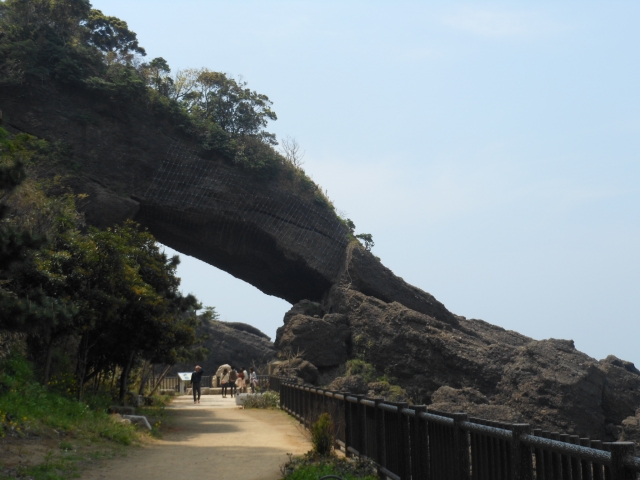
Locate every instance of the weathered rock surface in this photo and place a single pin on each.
(352, 383)
(274, 235)
(235, 343)
(304, 370)
(482, 369)
(322, 341)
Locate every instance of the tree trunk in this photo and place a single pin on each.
(81, 365)
(47, 362)
(160, 378)
(144, 377)
(124, 377)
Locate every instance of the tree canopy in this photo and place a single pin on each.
(115, 291)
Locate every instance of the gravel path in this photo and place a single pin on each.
(214, 439)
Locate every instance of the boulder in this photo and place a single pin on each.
(297, 367)
(323, 341)
(351, 383)
(488, 371)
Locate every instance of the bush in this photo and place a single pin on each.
(362, 368)
(312, 467)
(27, 407)
(322, 435)
(265, 400)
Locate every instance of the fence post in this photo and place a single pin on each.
(360, 426)
(347, 424)
(379, 420)
(620, 450)
(419, 452)
(461, 447)
(521, 463)
(404, 463)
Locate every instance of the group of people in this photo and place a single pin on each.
(230, 379)
(237, 380)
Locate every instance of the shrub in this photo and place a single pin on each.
(265, 400)
(362, 368)
(322, 435)
(312, 467)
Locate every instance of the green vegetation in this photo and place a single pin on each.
(71, 45)
(323, 435)
(383, 385)
(89, 302)
(357, 366)
(72, 431)
(312, 467)
(364, 238)
(267, 399)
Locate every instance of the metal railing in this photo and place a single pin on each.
(173, 383)
(414, 442)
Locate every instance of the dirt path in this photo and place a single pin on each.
(212, 440)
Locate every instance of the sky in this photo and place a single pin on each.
(490, 148)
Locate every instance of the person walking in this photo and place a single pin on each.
(233, 376)
(240, 381)
(224, 382)
(253, 380)
(246, 379)
(196, 380)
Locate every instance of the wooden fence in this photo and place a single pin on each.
(413, 442)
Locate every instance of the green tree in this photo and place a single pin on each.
(157, 73)
(367, 239)
(112, 35)
(20, 308)
(228, 103)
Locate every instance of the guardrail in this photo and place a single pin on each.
(173, 383)
(414, 442)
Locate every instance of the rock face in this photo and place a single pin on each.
(484, 370)
(132, 163)
(237, 344)
(322, 341)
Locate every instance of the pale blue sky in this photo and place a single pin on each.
(491, 148)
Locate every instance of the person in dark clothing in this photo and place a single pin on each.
(196, 379)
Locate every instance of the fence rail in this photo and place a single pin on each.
(412, 442)
(173, 383)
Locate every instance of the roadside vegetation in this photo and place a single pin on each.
(86, 316)
(322, 460)
(51, 432)
(267, 399)
(381, 385)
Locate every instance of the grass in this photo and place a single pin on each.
(312, 467)
(34, 420)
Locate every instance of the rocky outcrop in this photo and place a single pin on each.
(322, 341)
(273, 233)
(484, 370)
(235, 343)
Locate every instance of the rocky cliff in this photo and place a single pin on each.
(233, 343)
(455, 364)
(132, 162)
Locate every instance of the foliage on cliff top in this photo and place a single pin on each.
(70, 44)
